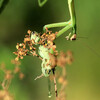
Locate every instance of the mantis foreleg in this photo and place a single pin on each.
(61, 24)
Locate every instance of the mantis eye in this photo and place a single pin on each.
(32, 33)
(47, 71)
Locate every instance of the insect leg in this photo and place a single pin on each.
(42, 3)
(49, 88)
(68, 26)
(72, 15)
(55, 83)
(61, 24)
(39, 77)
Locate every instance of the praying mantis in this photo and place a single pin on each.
(46, 45)
(67, 25)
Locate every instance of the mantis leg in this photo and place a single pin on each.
(55, 83)
(49, 88)
(42, 3)
(39, 77)
(62, 24)
(68, 26)
(71, 36)
(72, 15)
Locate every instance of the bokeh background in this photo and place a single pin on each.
(83, 75)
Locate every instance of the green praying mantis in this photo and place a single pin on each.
(72, 36)
(43, 51)
(45, 65)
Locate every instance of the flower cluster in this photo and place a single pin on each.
(28, 45)
(8, 76)
(4, 95)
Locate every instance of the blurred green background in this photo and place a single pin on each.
(18, 16)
